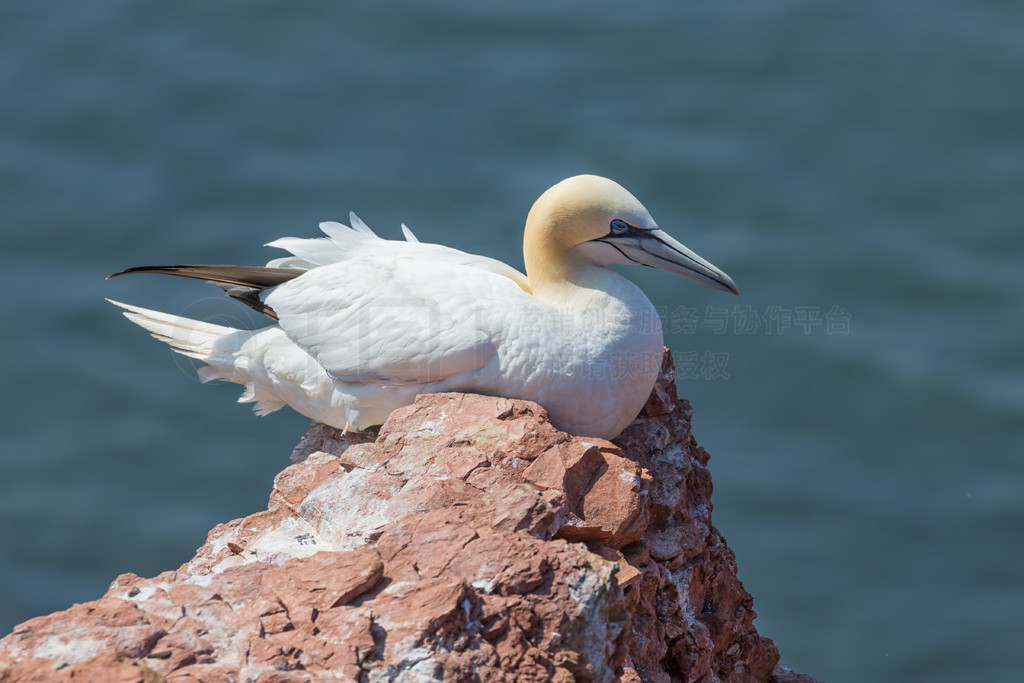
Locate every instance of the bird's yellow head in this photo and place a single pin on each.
(587, 221)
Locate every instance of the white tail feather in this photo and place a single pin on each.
(215, 345)
(192, 338)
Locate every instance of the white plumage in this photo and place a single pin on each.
(366, 324)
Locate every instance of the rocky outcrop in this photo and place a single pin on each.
(470, 540)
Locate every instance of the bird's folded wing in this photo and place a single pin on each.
(393, 320)
(344, 243)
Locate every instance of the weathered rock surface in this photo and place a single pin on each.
(471, 541)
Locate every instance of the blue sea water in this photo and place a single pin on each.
(858, 168)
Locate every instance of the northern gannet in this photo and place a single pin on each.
(363, 324)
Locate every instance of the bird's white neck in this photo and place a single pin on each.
(606, 305)
(613, 350)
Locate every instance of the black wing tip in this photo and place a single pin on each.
(120, 272)
(254, 276)
(145, 269)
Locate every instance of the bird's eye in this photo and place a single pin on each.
(619, 227)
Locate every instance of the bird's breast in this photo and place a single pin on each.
(592, 365)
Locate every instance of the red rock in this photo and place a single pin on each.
(469, 540)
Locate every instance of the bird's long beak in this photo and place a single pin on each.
(658, 249)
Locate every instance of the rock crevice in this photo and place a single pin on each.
(469, 540)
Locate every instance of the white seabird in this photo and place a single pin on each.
(363, 324)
